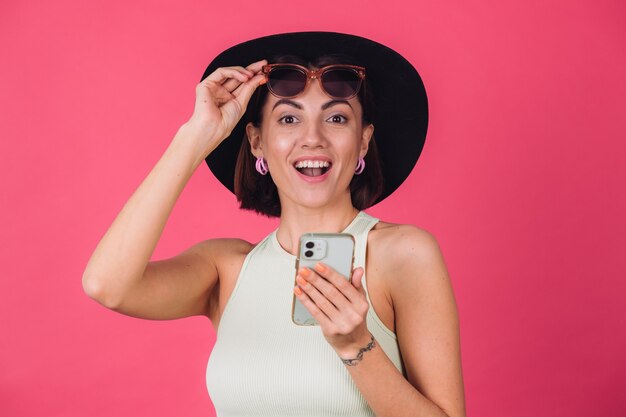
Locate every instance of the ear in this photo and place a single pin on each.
(366, 136)
(254, 137)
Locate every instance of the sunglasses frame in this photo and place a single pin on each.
(317, 74)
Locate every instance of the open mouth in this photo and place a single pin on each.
(312, 168)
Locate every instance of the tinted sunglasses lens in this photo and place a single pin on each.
(341, 82)
(286, 82)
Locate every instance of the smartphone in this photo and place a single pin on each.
(333, 249)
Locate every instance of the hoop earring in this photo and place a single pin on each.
(261, 166)
(360, 166)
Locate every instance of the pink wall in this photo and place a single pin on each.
(521, 180)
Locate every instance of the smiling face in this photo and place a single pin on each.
(312, 144)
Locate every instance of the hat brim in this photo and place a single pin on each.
(401, 104)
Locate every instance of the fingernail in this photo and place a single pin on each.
(300, 280)
(304, 272)
(297, 290)
(320, 268)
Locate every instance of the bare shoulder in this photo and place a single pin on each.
(223, 249)
(404, 246)
(408, 258)
(227, 255)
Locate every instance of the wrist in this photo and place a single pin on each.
(205, 130)
(196, 140)
(353, 355)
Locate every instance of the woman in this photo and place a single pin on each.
(387, 345)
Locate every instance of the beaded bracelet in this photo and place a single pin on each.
(359, 356)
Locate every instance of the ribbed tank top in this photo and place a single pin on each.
(263, 364)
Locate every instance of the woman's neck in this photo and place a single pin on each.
(295, 221)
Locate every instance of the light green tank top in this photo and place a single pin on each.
(263, 364)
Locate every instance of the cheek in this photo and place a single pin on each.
(348, 143)
(278, 146)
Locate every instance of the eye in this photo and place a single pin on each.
(287, 119)
(337, 118)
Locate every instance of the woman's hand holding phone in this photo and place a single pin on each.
(340, 306)
(221, 101)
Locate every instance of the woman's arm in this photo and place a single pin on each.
(119, 274)
(427, 328)
(120, 259)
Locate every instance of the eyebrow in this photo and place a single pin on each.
(333, 102)
(299, 106)
(287, 101)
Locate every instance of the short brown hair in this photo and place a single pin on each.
(259, 193)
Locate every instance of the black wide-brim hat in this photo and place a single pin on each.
(401, 116)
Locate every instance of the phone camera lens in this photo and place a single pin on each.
(309, 245)
(308, 253)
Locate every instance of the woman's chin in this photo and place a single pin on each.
(317, 198)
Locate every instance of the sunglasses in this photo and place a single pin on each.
(338, 81)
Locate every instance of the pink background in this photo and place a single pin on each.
(521, 181)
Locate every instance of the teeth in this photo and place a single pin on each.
(312, 164)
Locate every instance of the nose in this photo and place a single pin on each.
(314, 137)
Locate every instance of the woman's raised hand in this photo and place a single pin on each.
(222, 98)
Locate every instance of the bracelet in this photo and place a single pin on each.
(359, 356)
